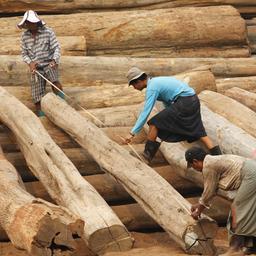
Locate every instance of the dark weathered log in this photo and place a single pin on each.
(162, 32)
(70, 45)
(113, 192)
(80, 158)
(33, 224)
(103, 230)
(7, 140)
(150, 190)
(84, 71)
(251, 30)
(77, 6)
(246, 83)
(232, 110)
(245, 97)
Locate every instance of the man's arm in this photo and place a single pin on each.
(55, 47)
(150, 100)
(211, 180)
(24, 51)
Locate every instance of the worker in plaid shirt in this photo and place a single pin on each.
(41, 51)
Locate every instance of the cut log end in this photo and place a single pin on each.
(46, 234)
(199, 237)
(114, 238)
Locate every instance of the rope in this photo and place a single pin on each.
(85, 110)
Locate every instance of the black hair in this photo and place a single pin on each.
(195, 153)
(140, 78)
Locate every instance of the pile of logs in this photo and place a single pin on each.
(179, 32)
(78, 162)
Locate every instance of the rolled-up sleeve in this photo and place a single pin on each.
(151, 97)
(211, 179)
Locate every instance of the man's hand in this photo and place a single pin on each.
(32, 66)
(128, 139)
(53, 64)
(196, 210)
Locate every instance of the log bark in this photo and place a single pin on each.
(231, 138)
(232, 110)
(246, 83)
(113, 192)
(70, 45)
(245, 97)
(103, 230)
(251, 30)
(63, 140)
(32, 224)
(116, 95)
(149, 189)
(164, 32)
(80, 158)
(84, 71)
(77, 6)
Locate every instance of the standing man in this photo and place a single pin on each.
(228, 172)
(41, 51)
(179, 121)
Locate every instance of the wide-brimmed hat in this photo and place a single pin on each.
(30, 16)
(133, 74)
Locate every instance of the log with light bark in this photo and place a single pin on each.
(84, 71)
(103, 230)
(231, 138)
(149, 189)
(246, 83)
(232, 110)
(70, 45)
(34, 225)
(77, 6)
(116, 95)
(245, 97)
(162, 32)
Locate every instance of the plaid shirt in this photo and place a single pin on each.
(42, 49)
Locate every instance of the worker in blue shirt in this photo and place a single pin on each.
(179, 121)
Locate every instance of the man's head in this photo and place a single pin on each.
(195, 158)
(137, 78)
(30, 21)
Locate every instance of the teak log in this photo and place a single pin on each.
(70, 45)
(77, 6)
(84, 71)
(149, 189)
(231, 138)
(34, 225)
(113, 192)
(232, 110)
(116, 95)
(245, 97)
(103, 230)
(79, 157)
(246, 83)
(162, 32)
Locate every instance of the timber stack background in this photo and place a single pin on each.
(209, 43)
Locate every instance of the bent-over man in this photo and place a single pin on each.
(228, 172)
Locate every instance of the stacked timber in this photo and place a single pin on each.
(32, 224)
(89, 71)
(251, 30)
(246, 8)
(179, 32)
(103, 230)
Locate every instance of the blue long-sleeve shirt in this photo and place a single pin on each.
(165, 89)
